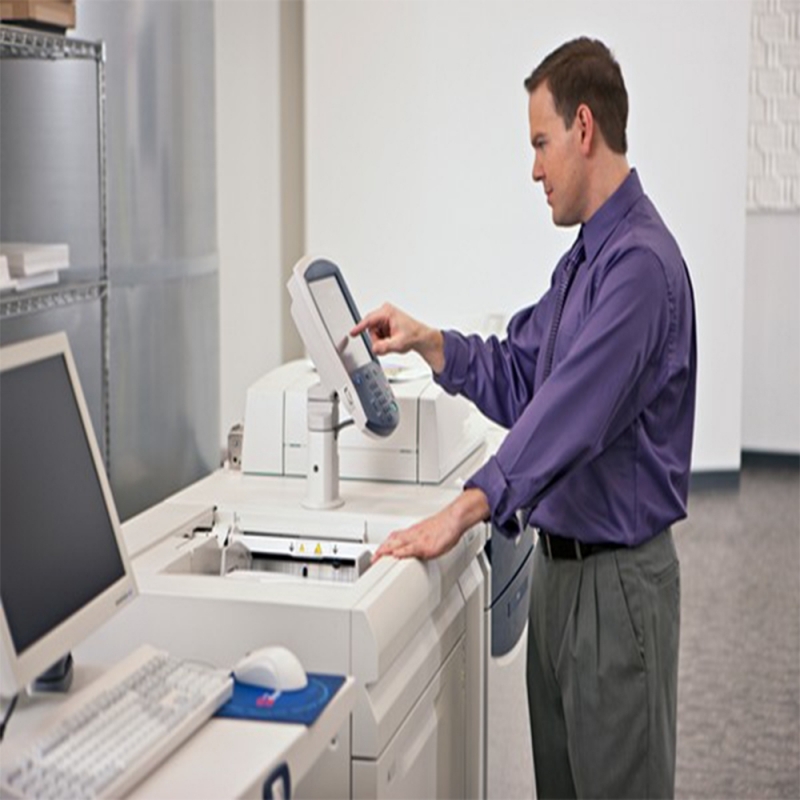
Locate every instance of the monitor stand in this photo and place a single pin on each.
(322, 488)
(57, 678)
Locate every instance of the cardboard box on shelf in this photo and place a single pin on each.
(41, 13)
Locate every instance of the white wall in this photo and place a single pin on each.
(418, 162)
(771, 389)
(259, 95)
(248, 212)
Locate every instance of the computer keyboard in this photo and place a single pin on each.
(111, 735)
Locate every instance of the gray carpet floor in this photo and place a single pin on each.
(739, 669)
(739, 676)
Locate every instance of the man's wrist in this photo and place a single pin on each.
(470, 508)
(431, 348)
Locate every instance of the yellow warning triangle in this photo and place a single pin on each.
(318, 549)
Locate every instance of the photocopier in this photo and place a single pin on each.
(278, 550)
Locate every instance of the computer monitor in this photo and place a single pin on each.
(64, 570)
(324, 311)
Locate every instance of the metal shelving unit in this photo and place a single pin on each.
(23, 43)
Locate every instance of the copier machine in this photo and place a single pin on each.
(248, 557)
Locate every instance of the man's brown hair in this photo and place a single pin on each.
(585, 71)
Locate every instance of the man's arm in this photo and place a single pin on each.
(495, 375)
(616, 366)
(393, 331)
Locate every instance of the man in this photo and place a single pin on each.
(596, 384)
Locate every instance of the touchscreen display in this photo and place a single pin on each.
(339, 322)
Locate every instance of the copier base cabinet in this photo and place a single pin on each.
(426, 756)
(411, 633)
(509, 763)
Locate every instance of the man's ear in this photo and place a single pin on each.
(584, 119)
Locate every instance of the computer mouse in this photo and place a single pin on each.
(272, 667)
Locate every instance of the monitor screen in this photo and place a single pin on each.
(339, 321)
(63, 569)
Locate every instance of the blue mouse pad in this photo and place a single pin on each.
(302, 706)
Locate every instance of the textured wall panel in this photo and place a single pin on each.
(773, 174)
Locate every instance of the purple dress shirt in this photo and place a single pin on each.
(600, 439)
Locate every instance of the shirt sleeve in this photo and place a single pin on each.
(612, 370)
(498, 376)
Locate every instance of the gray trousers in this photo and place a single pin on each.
(603, 672)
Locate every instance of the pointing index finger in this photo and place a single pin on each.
(360, 327)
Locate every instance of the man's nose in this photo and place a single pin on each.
(538, 172)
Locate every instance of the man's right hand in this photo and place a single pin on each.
(393, 331)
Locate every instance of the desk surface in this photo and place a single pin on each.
(224, 758)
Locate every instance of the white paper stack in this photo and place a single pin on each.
(33, 264)
(6, 281)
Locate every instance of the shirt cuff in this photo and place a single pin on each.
(456, 361)
(492, 482)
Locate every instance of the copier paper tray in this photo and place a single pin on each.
(326, 560)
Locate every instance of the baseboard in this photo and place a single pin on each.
(715, 480)
(759, 458)
(730, 479)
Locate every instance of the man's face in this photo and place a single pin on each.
(558, 161)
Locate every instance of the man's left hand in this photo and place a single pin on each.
(436, 535)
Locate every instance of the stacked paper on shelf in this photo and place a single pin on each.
(6, 281)
(32, 266)
(36, 281)
(26, 259)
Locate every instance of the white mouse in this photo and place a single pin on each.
(272, 667)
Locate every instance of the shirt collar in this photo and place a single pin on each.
(597, 229)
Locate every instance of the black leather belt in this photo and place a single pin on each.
(560, 547)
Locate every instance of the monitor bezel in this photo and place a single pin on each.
(334, 374)
(19, 669)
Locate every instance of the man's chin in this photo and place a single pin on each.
(563, 220)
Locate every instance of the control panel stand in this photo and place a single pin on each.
(322, 490)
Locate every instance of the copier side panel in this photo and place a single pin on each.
(449, 431)
(426, 757)
(379, 633)
(382, 705)
(474, 590)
